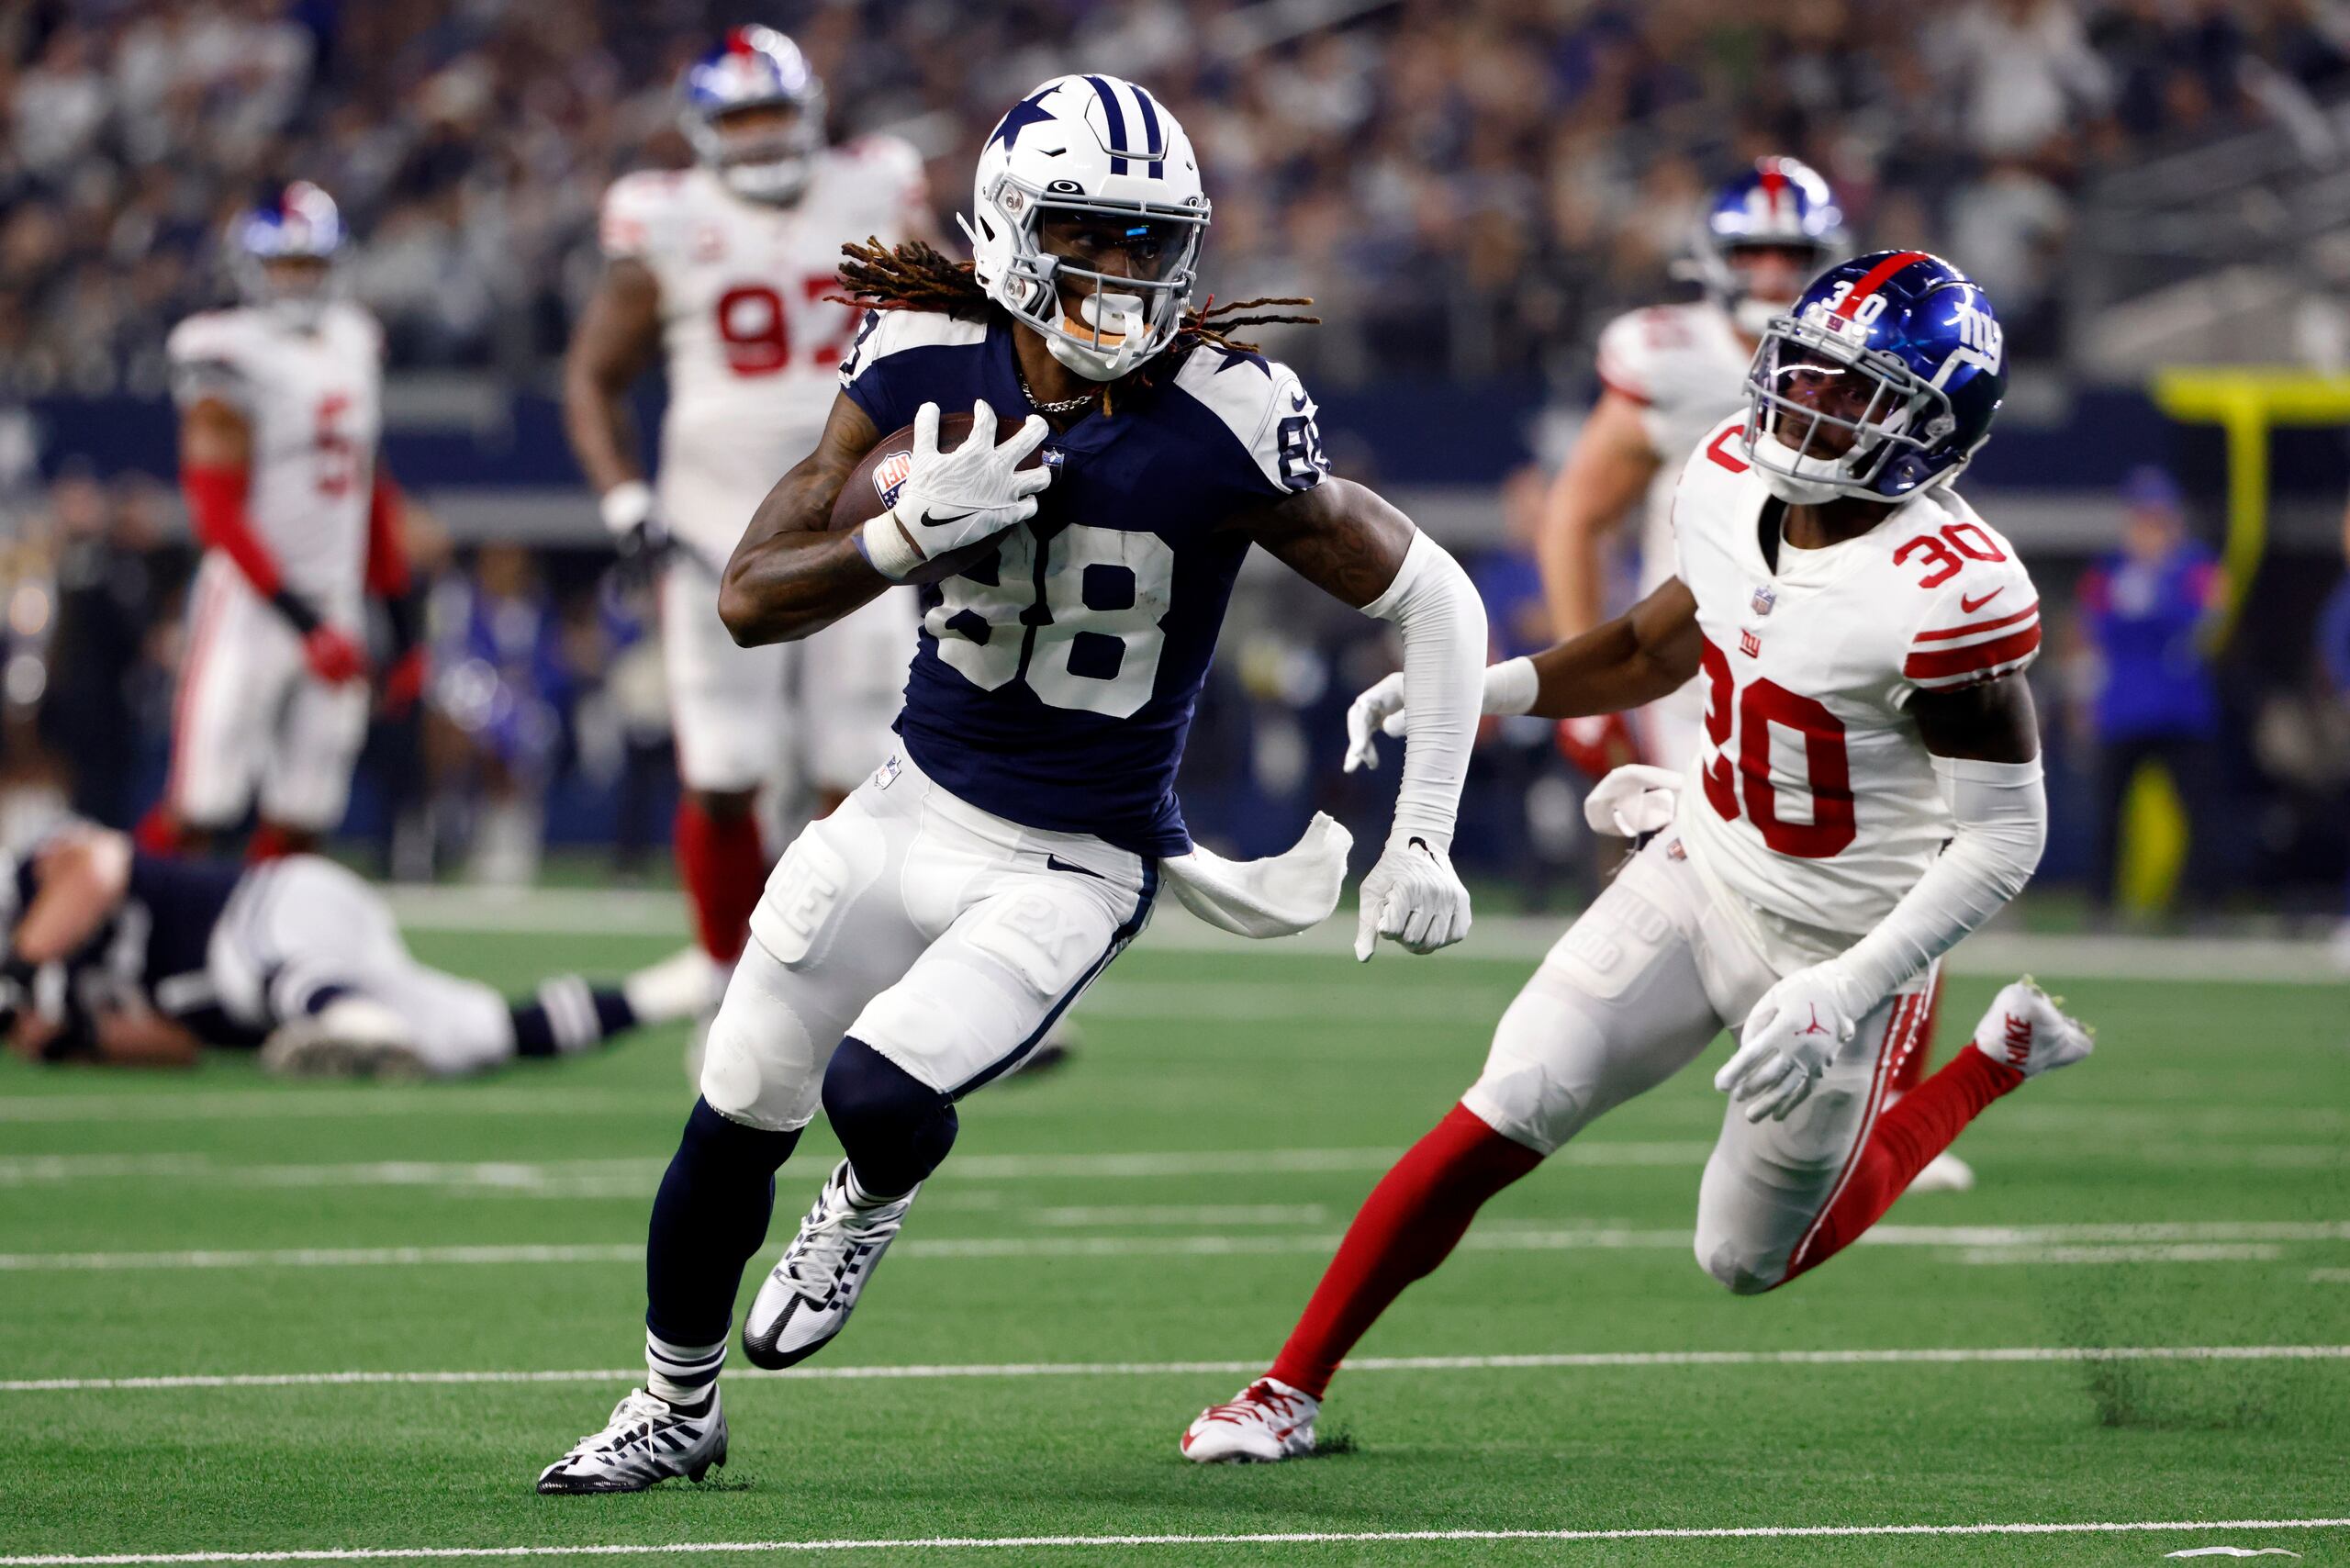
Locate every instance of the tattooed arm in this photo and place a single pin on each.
(791, 574)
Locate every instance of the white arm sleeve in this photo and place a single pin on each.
(1436, 608)
(2001, 813)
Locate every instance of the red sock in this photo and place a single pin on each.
(1409, 1224)
(269, 842)
(1909, 1070)
(724, 866)
(1903, 1139)
(158, 832)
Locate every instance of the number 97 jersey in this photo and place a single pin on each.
(1817, 806)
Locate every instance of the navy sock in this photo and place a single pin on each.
(569, 1014)
(896, 1128)
(707, 1220)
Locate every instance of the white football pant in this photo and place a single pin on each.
(250, 717)
(946, 938)
(818, 709)
(1634, 991)
(300, 924)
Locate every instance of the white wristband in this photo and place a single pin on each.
(883, 540)
(1511, 687)
(626, 506)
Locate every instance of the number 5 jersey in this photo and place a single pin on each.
(1055, 680)
(1816, 805)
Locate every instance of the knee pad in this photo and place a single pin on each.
(1527, 1091)
(895, 1128)
(760, 1064)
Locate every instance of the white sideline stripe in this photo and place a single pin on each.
(1286, 1538)
(1492, 1239)
(1953, 1356)
(1510, 938)
(594, 1176)
(2176, 1252)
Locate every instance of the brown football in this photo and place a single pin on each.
(873, 490)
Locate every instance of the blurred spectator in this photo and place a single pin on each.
(499, 686)
(2148, 609)
(2333, 651)
(1470, 186)
(116, 573)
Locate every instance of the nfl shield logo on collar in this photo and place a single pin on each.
(1765, 598)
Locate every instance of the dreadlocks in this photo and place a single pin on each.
(916, 276)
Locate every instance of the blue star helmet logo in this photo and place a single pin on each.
(1023, 113)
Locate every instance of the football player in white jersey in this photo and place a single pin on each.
(727, 271)
(1667, 374)
(280, 409)
(1868, 792)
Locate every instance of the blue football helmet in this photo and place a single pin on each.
(1880, 382)
(299, 222)
(1779, 204)
(755, 67)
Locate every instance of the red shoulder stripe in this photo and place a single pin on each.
(2026, 613)
(1612, 384)
(1944, 663)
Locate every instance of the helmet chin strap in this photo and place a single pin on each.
(778, 182)
(1782, 473)
(1118, 314)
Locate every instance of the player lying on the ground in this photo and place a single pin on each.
(915, 945)
(114, 955)
(1869, 793)
(280, 409)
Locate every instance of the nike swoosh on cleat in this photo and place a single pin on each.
(1969, 606)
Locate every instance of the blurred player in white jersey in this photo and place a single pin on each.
(1868, 791)
(1667, 374)
(280, 410)
(726, 271)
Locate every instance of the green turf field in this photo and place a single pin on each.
(1167, 1201)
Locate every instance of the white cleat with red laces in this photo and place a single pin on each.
(2029, 1030)
(1266, 1421)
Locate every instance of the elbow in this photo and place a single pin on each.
(740, 613)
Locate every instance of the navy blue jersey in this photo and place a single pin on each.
(155, 949)
(1054, 683)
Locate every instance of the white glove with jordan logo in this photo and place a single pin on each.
(1790, 1038)
(949, 499)
(1413, 897)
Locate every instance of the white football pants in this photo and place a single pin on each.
(248, 717)
(945, 938)
(302, 923)
(816, 710)
(1630, 995)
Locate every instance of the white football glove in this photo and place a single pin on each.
(1789, 1039)
(1411, 896)
(1377, 712)
(949, 499)
(1632, 799)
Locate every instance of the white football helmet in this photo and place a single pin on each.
(1095, 146)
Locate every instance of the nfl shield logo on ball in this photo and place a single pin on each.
(1765, 598)
(890, 472)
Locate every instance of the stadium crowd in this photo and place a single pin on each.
(1468, 185)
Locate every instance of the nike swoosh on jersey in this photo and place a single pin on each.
(1969, 606)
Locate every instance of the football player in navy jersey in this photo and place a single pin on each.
(915, 945)
(112, 954)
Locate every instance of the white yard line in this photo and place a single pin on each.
(598, 1177)
(1510, 938)
(1589, 1360)
(1287, 1538)
(1980, 1243)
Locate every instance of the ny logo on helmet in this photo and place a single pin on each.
(1981, 342)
